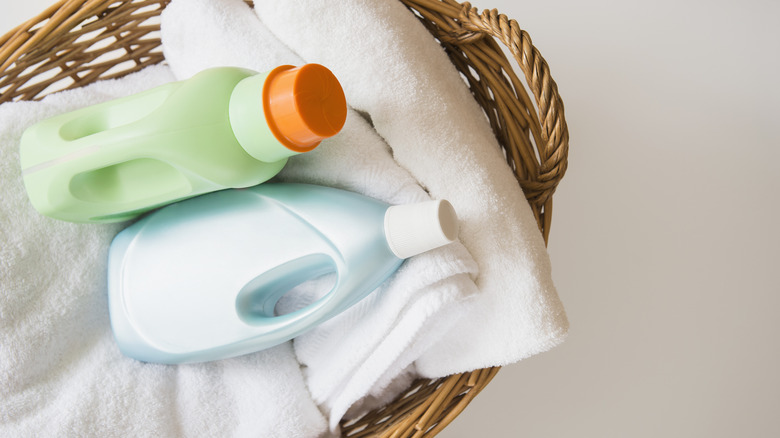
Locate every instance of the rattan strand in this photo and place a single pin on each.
(76, 42)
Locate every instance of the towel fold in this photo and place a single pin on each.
(61, 372)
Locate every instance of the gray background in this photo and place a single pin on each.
(664, 241)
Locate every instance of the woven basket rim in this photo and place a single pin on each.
(530, 128)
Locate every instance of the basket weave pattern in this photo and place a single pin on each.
(77, 42)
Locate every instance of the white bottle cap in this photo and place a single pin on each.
(415, 228)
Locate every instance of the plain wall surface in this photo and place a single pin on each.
(664, 241)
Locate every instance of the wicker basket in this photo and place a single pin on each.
(76, 42)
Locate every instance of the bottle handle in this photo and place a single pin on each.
(99, 174)
(83, 160)
(257, 299)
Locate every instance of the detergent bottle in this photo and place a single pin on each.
(199, 280)
(225, 127)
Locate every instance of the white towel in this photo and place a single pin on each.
(61, 373)
(358, 355)
(393, 70)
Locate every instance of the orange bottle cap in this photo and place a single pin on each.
(303, 105)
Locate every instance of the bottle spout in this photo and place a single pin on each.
(416, 228)
(304, 106)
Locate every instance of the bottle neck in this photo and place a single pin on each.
(249, 118)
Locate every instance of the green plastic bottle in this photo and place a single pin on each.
(223, 128)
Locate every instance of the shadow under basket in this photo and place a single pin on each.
(77, 42)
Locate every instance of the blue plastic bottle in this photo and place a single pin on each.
(199, 280)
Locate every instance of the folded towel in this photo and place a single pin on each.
(394, 71)
(358, 355)
(61, 372)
